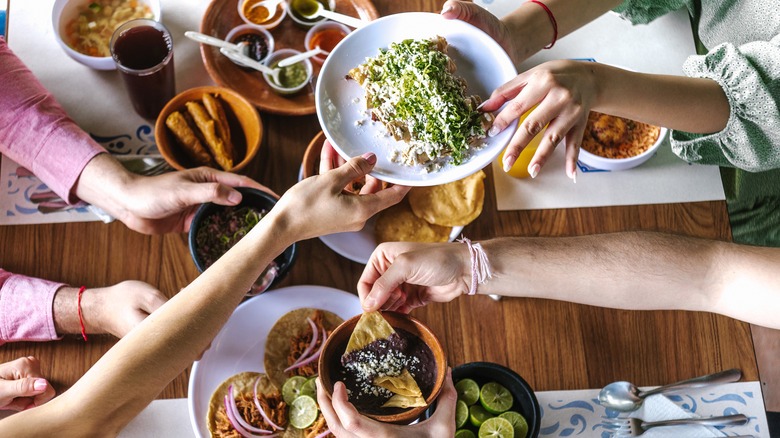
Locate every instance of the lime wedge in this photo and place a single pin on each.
(292, 388)
(478, 415)
(461, 414)
(495, 398)
(496, 427)
(304, 411)
(518, 423)
(464, 433)
(468, 391)
(310, 387)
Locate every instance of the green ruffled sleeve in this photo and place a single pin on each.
(750, 77)
(645, 11)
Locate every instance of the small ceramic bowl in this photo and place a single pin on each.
(253, 198)
(330, 361)
(279, 14)
(599, 162)
(280, 55)
(327, 44)
(306, 22)
(250, 31)
(246, 128)
(65, 11)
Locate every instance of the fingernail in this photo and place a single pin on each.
(494, 130)
(370, 157)
(446, 9)
(234, 197)
(481, 105)
(574, 176)
(534, 170)
(40, 384)
(508, 161)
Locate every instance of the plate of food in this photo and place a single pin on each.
(251, 351)
(412, 88)
(428, 214)
(223, 16)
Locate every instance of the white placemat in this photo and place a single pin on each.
(96, 100)
(659, 47)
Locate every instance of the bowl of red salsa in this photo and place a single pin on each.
(217, 228)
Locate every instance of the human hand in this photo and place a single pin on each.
(485, 21)
(330, 159)
(319, 205)
(563, 93)
(22, 385)
(345, 421)
(117, 309)
(401, 276)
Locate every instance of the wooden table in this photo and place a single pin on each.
(553, 345)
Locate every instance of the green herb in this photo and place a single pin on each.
(94, 7)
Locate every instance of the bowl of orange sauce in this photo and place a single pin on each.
(326, 36)
(257, 15)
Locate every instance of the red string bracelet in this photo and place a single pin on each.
(81, 318)
(552, 20)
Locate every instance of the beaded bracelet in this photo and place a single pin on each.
(480, 266)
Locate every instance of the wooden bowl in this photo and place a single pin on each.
(330, 361)
(310, 165)
(246, 128)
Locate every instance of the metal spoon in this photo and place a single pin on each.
(300, 57)
(242, 47)
(249, 62)
(320, 11)
(626, 397)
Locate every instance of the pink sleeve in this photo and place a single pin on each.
(36, 132)
(26, 308)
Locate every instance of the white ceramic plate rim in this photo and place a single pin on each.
(231, 352)
(340, 102)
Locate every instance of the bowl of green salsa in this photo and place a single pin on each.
(292, 78)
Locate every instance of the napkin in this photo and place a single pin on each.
(659, 408)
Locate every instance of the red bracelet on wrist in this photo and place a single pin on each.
(552, 21)
(81, 318)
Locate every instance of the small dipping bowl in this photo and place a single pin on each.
(326, 36)
(261, 42)
(244, 8)
(274, 59)
(296, 6)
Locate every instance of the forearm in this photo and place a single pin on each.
(687, 104)
(639, 271)
(103, 183)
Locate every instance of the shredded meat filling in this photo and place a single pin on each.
(273, 405)
(299, 343)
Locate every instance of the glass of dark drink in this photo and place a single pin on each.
(143, 52)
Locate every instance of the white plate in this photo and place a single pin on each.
(359, 245)
(240, 345)
(340, 103)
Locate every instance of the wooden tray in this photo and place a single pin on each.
(222, 16)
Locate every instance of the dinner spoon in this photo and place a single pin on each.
(626, 397)
(213, 41)
(251, 63)
(320, 11)
(300, 57)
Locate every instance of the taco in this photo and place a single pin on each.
(290, 339)
(241, 387)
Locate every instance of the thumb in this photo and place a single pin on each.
(356, 167)
(24, 387)
(211, 192)
(464, 11)
(446, 403)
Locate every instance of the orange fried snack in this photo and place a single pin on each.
(207, 127)
(187, 138)
(217, 112)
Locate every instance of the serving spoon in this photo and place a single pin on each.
(242, 47)
(251, 63)
(626, 397)
(300, 57)
(320, 11)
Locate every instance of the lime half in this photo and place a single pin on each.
(496, 427)
(464, 433)
(310, 387)
(461, 414)
(518, 423)
(478, 415)
(495, 398)
(304, 411)
(292, 388)
(468, 391)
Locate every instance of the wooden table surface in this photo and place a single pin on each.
(553, 345)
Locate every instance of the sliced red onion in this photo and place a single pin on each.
(238, 422)
(305, 354)
(314, 356)
(323, 434)
(262, 412)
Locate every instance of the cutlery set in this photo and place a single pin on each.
(626, 397)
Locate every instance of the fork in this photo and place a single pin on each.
(624, 427)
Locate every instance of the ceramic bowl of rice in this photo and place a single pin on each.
(617, 143)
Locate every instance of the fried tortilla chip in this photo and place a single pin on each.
(278, 343)
(217, 112)
(399, 224)
(371, 327)
(404, 401)
(187, 138)
(402, 384)
(207, 127)
(454, 204)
